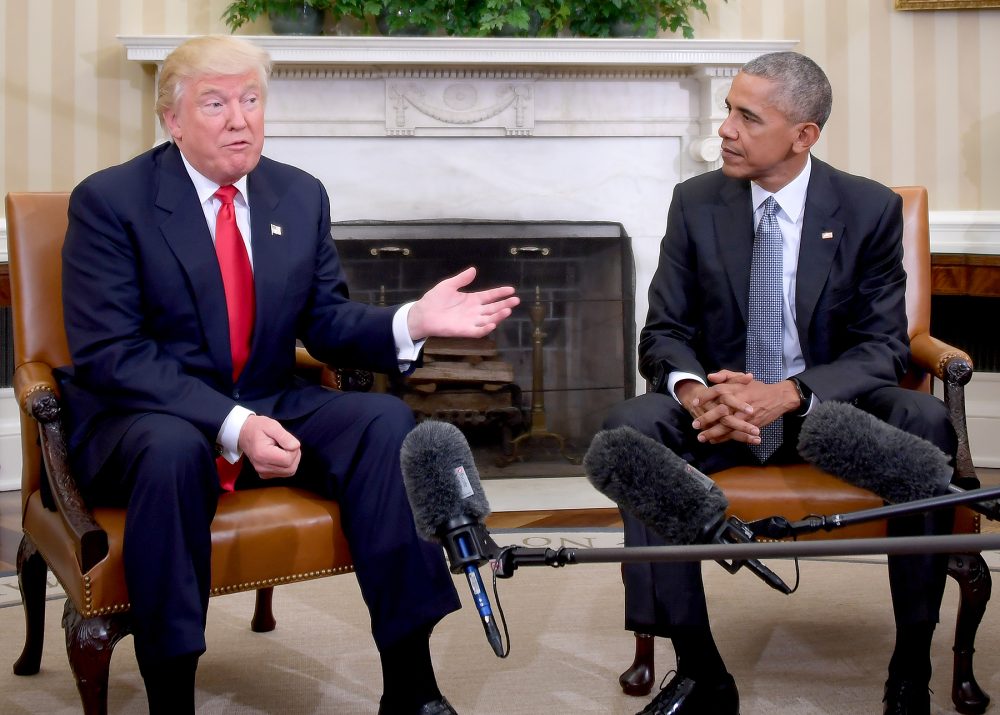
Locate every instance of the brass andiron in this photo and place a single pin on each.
(539, 429)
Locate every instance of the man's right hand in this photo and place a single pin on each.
(720, 413)
(271, 449)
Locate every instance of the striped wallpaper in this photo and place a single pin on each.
(915, 98)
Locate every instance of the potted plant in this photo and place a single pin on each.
(288, 17)
(470, 18)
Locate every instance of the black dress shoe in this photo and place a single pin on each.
(684, 696)
(441, 706)
(906, 697)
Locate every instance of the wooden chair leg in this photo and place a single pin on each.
(641, 675)
(31, 572)
(975, 586)
(89, 644)
(263, 614)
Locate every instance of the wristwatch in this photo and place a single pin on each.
(805, 396)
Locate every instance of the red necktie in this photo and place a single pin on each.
(237, 279)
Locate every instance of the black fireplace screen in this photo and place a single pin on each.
(531, 396)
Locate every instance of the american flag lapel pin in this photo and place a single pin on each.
(826, 235)
(275, 229)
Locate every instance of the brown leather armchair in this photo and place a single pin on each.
(796, 491)
(260, 537)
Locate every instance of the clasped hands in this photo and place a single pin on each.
(734, 406)
(443, 311)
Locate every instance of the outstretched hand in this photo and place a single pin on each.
(444, 311)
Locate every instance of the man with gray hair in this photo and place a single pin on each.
(189, 272)
(780, 284)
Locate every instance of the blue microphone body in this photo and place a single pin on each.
(448, 504)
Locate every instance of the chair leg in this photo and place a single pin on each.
(89, 644)
(263, 614)
(975, 586)
(640, 676)
(31, 572)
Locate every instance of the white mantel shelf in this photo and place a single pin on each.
(458, 51)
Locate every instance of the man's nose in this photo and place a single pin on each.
(726, 129)
(234, 116)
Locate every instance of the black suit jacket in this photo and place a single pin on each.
(850, 288)
(145, 310)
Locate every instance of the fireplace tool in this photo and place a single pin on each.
(539, 426)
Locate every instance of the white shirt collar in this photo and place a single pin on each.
(206, 188)
(791, 197)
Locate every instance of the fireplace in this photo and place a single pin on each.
(530, 397)
(526, 131)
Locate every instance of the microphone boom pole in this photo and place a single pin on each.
(776, 527)
(510, 558)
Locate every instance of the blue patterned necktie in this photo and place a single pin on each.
(765, 332)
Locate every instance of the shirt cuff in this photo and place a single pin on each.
(675, 377)
(229, 434)
(406, 350)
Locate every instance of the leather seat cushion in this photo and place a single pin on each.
(260, 538)
(798, 490)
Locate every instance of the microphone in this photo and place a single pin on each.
(866, 452)
(668, 495)
(449, 505)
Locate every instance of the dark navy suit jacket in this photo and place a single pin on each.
(145, 310)
(850, 286)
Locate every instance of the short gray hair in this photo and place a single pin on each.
(803, 92)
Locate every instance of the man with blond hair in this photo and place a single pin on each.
(189, 274)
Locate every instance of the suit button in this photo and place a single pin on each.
(236, 394)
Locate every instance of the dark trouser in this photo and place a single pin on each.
(660, 596)
(165, 469)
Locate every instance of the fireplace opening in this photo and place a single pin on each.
(529, 397)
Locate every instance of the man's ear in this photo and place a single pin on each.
(170, 122)
(808, 134)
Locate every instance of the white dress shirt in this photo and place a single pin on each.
(791, 200)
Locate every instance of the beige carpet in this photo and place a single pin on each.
(820, 650)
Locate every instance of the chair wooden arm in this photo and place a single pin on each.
(335, 377)
(37, 394)
(946, 362)
(954, 368)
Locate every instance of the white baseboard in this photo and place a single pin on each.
(10, 441)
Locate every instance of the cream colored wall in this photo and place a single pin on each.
(916, 97)
(915, 93)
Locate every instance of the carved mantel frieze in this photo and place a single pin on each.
(442, 86)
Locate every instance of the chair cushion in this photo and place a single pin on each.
(254, 538)
(798, 490)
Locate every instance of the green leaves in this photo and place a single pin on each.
(471, 18)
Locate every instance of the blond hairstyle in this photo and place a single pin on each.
(205, 56)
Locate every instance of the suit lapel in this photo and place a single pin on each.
(270, 264)
(821, 236)
(734, 233)
(184, 228)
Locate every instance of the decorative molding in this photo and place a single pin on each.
(455, 106)
(976, 232)
(511, 52)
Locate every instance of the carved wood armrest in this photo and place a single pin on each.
(954, 368)
(944, 361)
(335, 377)
(37, 394)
